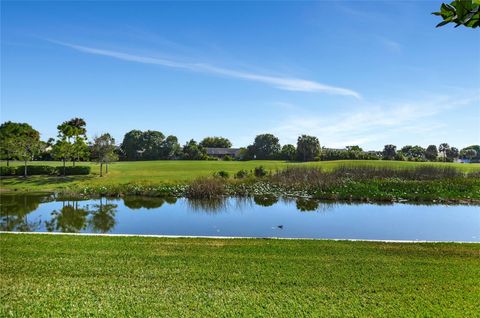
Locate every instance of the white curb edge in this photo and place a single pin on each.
(233, 237)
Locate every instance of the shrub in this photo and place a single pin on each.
(426, 172)
(227, 158)
(35, 170)
(222, 174)
(206, 188)
(7, 171)
(474, 174)
(73, 171)
(241, 174)
(260, 171)
(305, 177)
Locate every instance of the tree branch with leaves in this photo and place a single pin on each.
(460, 12)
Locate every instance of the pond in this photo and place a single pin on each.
(242, 217)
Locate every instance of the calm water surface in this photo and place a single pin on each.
(258, 217)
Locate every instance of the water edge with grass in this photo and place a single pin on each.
(259, 216)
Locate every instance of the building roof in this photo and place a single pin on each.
(222, 151)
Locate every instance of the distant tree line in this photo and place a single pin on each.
(20, 141)
(443, 153)
(153, 145)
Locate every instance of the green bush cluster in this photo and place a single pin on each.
(241, 174)
(77, 170)
(7, 171)
(44, 170)
(206, 188)
(260, 171)
(222, 174)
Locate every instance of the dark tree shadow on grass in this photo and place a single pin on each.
(42, 180)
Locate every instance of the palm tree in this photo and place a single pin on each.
(443, 149)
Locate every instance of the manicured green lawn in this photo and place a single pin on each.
(60, 276)
(181, 171)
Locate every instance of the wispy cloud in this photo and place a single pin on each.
(392, 45)
(373, 123)
(284, 83)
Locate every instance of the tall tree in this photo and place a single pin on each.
(170, 149)
(6, 149)
(8, 132)
(80, 150)
(143, 145)
(418, 152)
(151, 144)
(103, 150)
(132, 146)
(27, 146)
(452, 153)
(62, 150)
(389, 152)
(74, 132)
(476, 157)
(46, 154)
(407, 151)
(354, 152)
(354, 148)
(308, 148)
(215, 142)
(265, 146)
(443, 150)
(20, 141)
(470, 154)
(288, 152)
(193, 151)
(413, 152)
(431, 153)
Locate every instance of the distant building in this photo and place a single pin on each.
(334, 149)
(223, 152)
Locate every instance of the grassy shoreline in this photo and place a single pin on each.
(391, 191)
(127, 179)
(60, 275)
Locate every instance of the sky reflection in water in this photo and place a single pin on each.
(247, 217)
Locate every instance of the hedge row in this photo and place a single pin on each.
(44, 170)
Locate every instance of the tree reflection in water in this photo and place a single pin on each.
(103, 217)
(139, 202)
(70, 218)
(73, 218)
(213, 206)
(14, 210)
(307, 205)
(265, 200)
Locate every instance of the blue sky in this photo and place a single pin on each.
(367, 73)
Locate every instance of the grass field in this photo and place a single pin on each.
(182, 171)
(59, 276)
